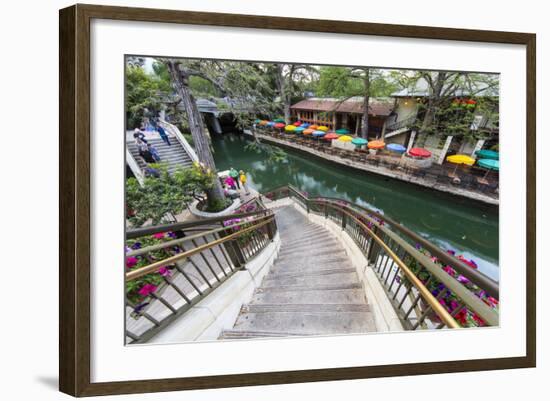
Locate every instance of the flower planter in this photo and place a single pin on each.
(193, 208)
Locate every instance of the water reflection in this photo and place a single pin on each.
(468, 227)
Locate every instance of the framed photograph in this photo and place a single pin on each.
(250, 200)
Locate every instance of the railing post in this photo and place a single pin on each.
(307, 205)
(343, 220)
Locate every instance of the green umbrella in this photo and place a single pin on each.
(279, 120)
(487, 154)
(489, 164)
(342, 131)
(358, 141)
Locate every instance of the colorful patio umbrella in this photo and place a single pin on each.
(257, 121)
(270, 124)
(305, 125)
(397, 148)
(279, 125)
(489, 164)
(299, 130)
(330, 136)
(290, 128)
(308, 131)
(420, 152)
(487, 154)
(322, 128)
(342, 131)
(263, 122)
(314, 126)
(376, 144)
(359, 141)
(297, 123)
(345, 138)
(280, 120)
(319, 134)
(460, 159)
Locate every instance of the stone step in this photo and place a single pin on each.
(322, 271)
(318, 240)
(294, 234)
(311, 250)
(312, 279)
(346, 296)
(244, 334)
(314, 263)
(307, 323)
(327, 287)
(315, 256)
(306, 308)
(314, 267)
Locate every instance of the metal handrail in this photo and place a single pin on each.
(142, 271)
(426, 294)
(141, 232)
(201, 234)
(478, 278)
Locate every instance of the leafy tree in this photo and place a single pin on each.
(167, 194)
(144, 94)
(347, 82)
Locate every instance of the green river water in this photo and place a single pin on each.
(468, 227)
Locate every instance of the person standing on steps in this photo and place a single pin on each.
(235, 175)
(163, 135)
(139, 136)
(243, 179)
(153, 152)
(144, 151)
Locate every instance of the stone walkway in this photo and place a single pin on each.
(396, 174)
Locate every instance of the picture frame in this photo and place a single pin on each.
(76, 206)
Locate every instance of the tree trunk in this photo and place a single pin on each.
(180, 79)
(285, 97)
(365, 119)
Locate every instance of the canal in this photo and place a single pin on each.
(468, 227)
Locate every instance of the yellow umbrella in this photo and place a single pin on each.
(345, 138)
(460, 159)
(322, 128)
(290, 128)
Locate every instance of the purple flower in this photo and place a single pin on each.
(131, 261)
(451, 252)
(417, 246)
(164, 271)
(136, 245)
(463, 280)
(147, 289)
(172, 234)
(140, 307)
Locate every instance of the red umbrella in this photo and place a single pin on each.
(279, 125)
(420, 152)
(330, 136)
(298, 123)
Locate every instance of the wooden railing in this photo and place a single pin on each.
(171, 268)
(427, 286)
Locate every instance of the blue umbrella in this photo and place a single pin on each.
(395, 147)
(298, 130)
(270, 124)
(489, 164)
(305, 125)
(318, 134)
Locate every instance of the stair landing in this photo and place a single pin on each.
(312, 289)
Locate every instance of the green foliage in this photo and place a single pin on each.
(166, 194)
(144, 93)
(344, 82)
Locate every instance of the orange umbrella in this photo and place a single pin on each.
(313, 127)
(308, 131)
(330, 136)
(376, 145)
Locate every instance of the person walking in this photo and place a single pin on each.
(163, 135)
(235, 175)
(154, 152)
(144, 151)
(243, 179)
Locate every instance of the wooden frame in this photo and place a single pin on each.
(74, 203)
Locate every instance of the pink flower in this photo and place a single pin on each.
(462, 279)
(449, 270)
(147, 289)
(131, 261)
(158, 235)
(164, 271)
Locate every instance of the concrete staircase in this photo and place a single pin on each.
(312, 289)
(175, 155)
